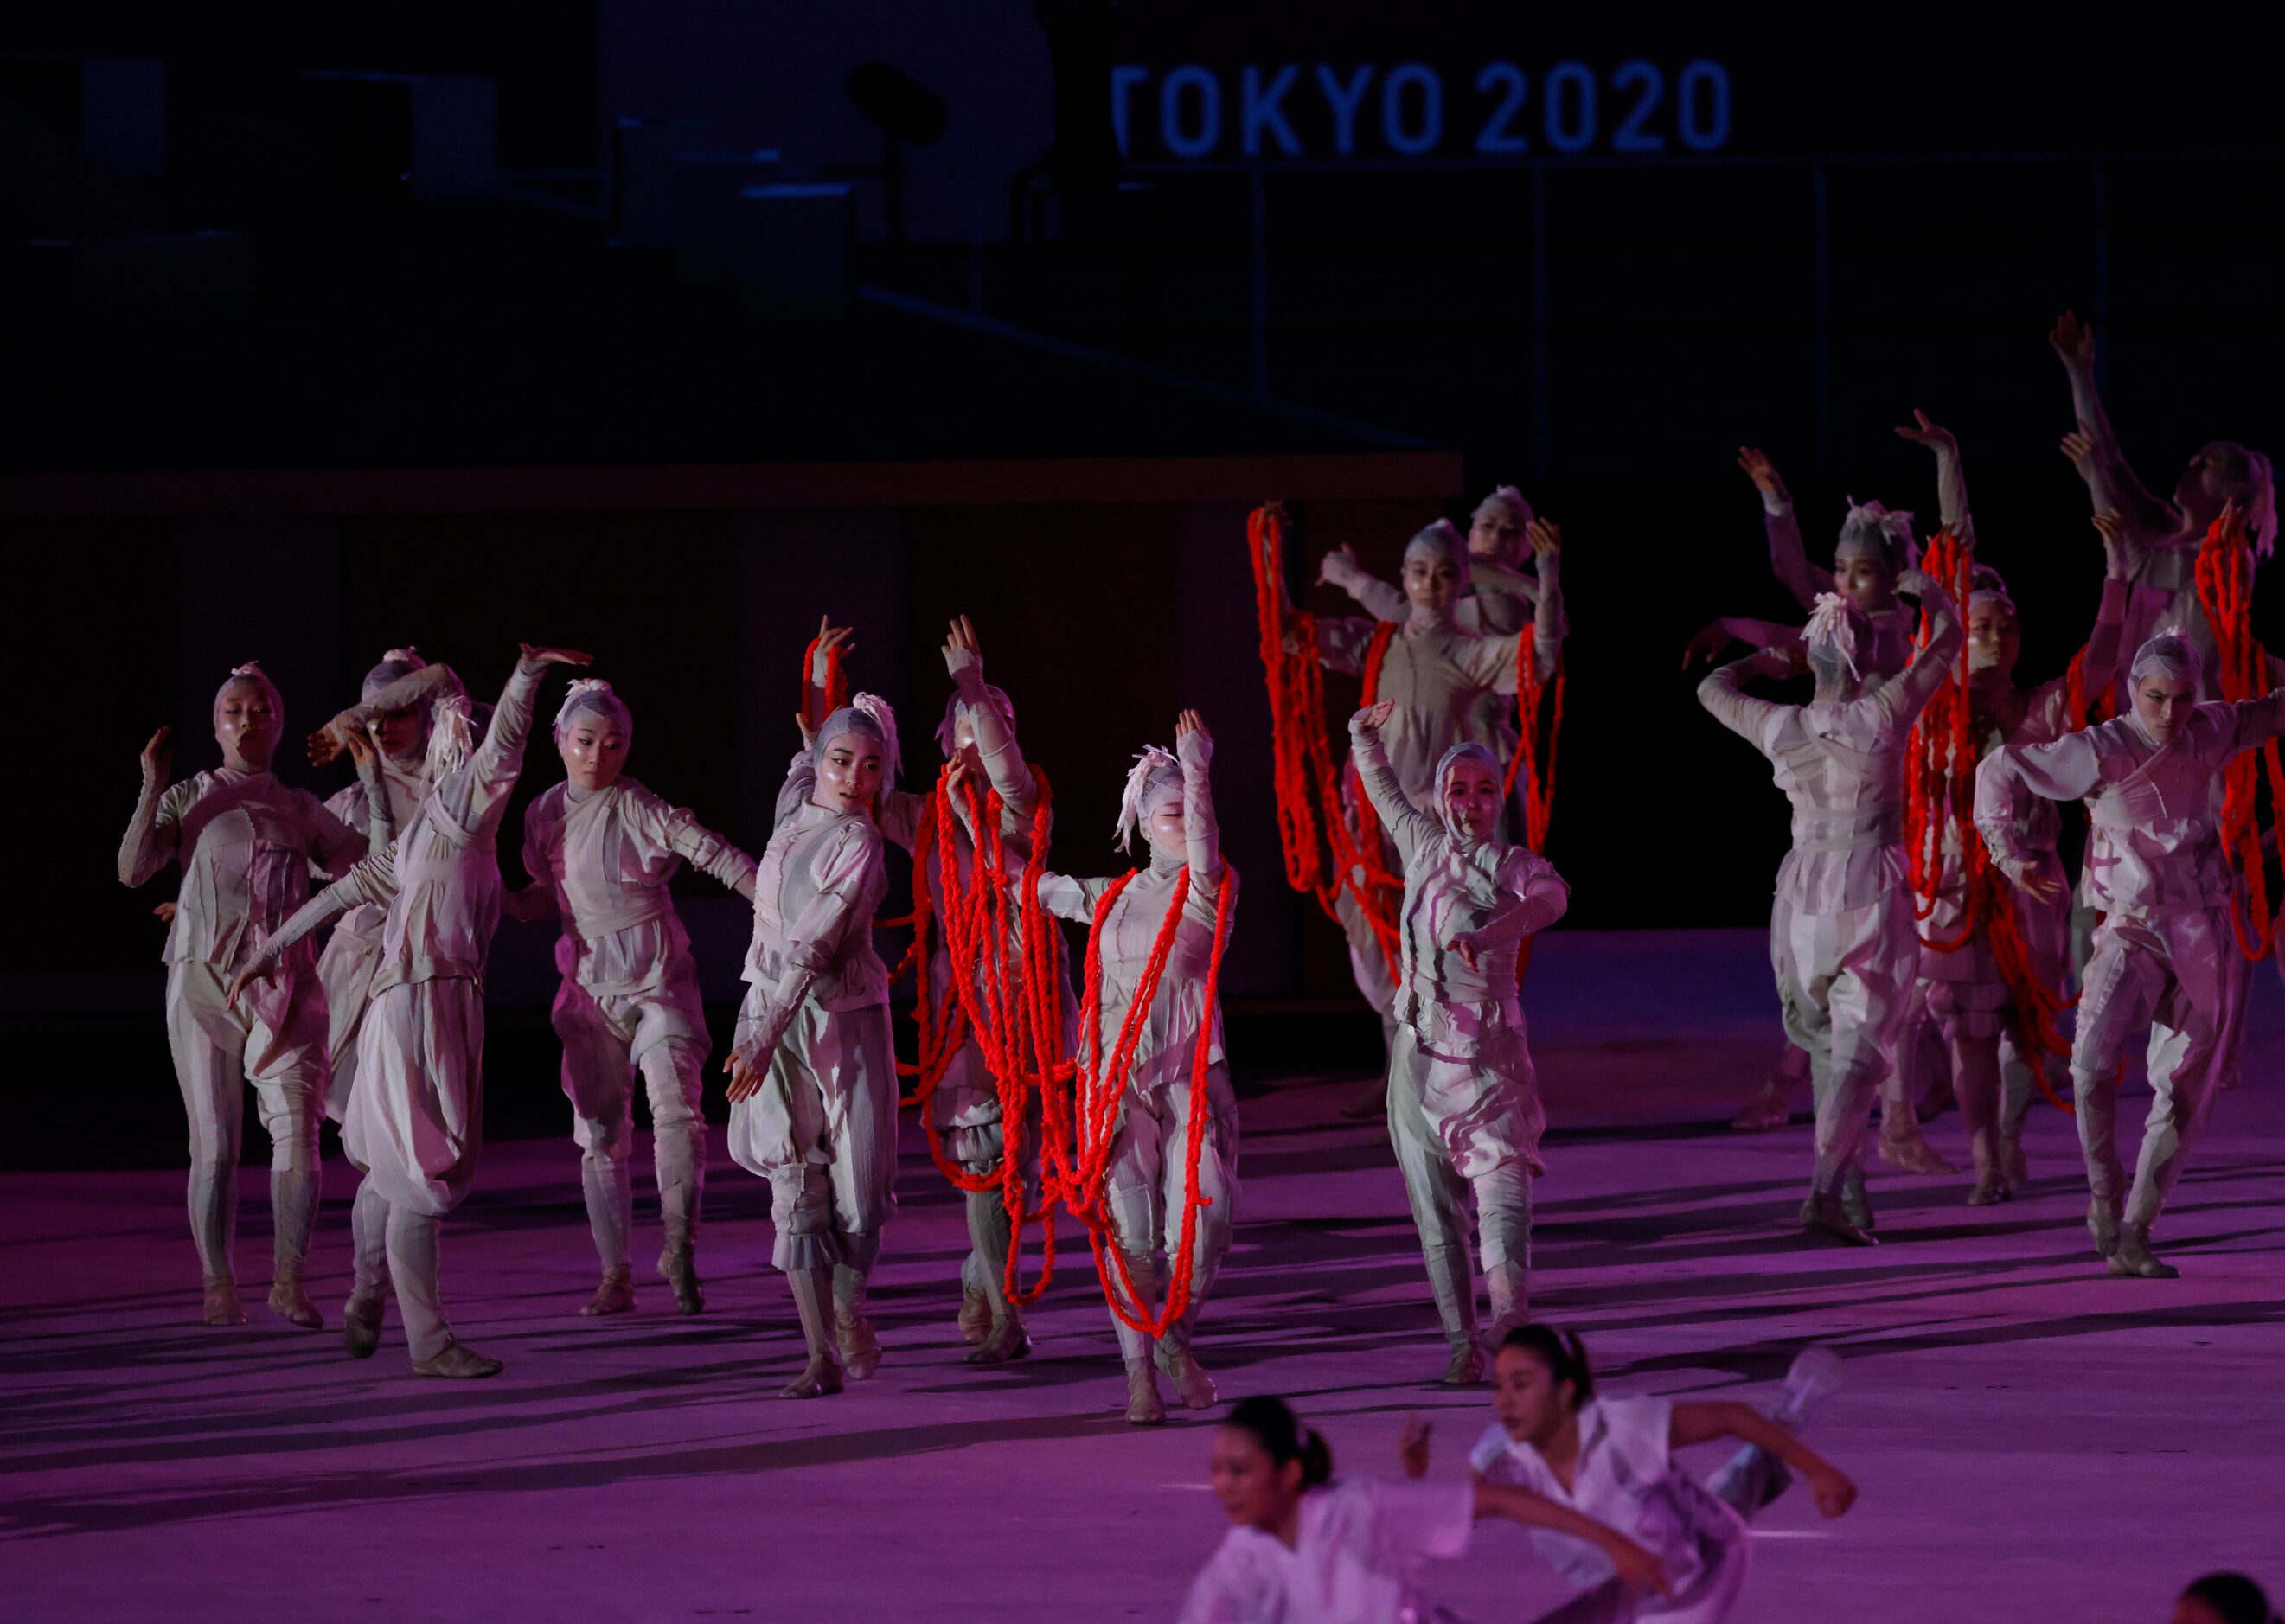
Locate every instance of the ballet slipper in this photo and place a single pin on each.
(1188, 1377)
(459, 1362)
(614, 1295)
(361, 1324)
(1144, 1406)
(292, 1303)
(222, 1304)
(2133, 1256)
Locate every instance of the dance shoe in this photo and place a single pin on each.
(614, 1295)
(361, 1324)
(821, 1376)
(222, 1306)
(1144, 1406)
(459, 1362)
(292, 1303)
(2134, 1257)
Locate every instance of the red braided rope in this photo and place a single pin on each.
(1538, 714)
(1101, 1087)
(2224, 579)
(1323, 857)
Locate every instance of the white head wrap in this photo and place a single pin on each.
(1450, 759)
(1873, 529)
(2172, 653)
(1994, 596)
(451, 732)
(868, 714)
(251, 672)
(592, 694)
(1440, 540)
(956, 707)
(1506, 496)
(396, 663)
(1837, 628)
(1155, 777)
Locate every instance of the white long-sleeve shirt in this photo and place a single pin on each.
(1352, 1562)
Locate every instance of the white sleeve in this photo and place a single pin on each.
(1411, 1520)
(1642, 1431)
(1490, 1454)
(1232, 1589)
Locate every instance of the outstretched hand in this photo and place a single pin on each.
(2073, 339)
(1832, 1491)
(324, 746)
(831, 637)
(1545, 537)
(1372, 718)
(541, 655)
(1758, 467)
(1338, 567)
(158, 756)
(961, 648)
(1934, 435)
(1190, 722)
(1705, 645)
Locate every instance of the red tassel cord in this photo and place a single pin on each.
(2225, 576)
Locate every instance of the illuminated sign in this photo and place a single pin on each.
(1193, 112)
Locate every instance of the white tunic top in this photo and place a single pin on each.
(1359, 1544)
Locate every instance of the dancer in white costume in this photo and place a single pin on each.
(1612, 1460)
(1169, 800)
(813, 1076)
(601, 849)
(2162, 953)
(1452, 683)
(1992, 1062)
(1310, 1549)
(2159, 539)
(1841, 938)
(416, 1122)
(246, 843)
(978, 737)
(1464, 1109)
(352, 953)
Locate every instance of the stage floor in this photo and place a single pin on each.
(2033, 1438)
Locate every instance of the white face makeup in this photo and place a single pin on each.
(396, 734)
(1994, 641)
(246, 726)
(1430, 582)
(595, 750)
(2163, 703)
(1471, 799)
(1863, 579)
(849, 771)
(1167, 831)
(1497, 535)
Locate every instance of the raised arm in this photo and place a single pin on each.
(1549, 624)
(1788, 558)
(408, 691)
(1202, 836)
(1003, 763)
(1722, 693)
(490, 772)
(1407, 826)
(1373, 595)
(155, 831)
(1710, 639)
(1950, 483)
(816, 695)
(1908, 695)
(2106, 648)
(2094, 449)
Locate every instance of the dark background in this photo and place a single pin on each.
(1900, 204)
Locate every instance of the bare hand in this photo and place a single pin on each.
(1763, 472)
(157, 757)
(1705, 645)
(1338, 567)
(1832, 1491)
(1190, 722)
(1637, 1569)
(1412, 1445)
(244, 980)
(956, 772)
(1467, 944)
(1372, 718)
(1936, 436)
(1545, 537)
(324, 746)
(166, 910)
(2073, 339)
(2079, 445)
(749, 1067)
(831, 637)
(808, 733)
(362, 753)
(538, 655)
(2048, 888)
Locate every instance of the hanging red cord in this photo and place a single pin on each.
(1539, 722)
(1324, 855)
(1099, 1086)
(1942, 847)
(2224, 579)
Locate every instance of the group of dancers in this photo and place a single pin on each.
(1108, 1088)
